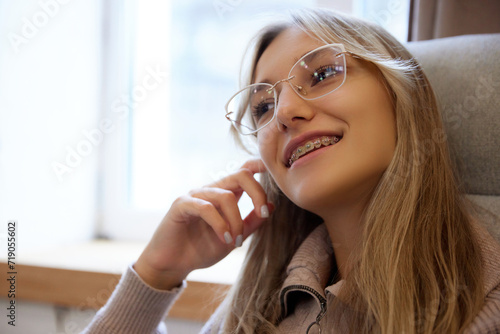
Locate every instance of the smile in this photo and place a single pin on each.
(311, 146)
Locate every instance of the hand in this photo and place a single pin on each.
(201, 228)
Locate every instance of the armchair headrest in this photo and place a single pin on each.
(465, 74)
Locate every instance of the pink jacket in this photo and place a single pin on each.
(135, 307)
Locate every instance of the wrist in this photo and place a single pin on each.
(161, 280)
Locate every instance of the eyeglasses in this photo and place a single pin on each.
(315, 75)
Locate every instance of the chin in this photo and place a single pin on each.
(324, 194)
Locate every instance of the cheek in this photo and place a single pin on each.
(267, 144)
(374, 115)
(372, 128)
(270, 150)
(382, 144)
(383, 124)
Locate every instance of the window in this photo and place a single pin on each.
(50, 74)
(392, 15)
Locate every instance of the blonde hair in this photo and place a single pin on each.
(396, 285)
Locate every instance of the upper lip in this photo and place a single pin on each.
(304, 138)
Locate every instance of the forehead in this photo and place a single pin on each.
(282, 54)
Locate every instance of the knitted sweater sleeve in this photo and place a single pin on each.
(134, 307)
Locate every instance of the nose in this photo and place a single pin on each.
(292, 110)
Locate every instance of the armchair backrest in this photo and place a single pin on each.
(465, 74)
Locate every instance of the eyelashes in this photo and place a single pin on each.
(262, 108)
(324, 72)
(322, 77)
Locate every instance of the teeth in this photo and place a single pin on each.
(325, 141)
(300, 151)
(311, 145)
(317, 143)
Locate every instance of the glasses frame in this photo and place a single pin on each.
(296, 89)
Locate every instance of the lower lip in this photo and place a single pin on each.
(305, 159)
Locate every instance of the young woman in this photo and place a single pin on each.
(357, 228)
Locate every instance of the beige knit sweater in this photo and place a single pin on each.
(135, 307)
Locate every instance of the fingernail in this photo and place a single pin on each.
(264, 211)
(239, 241)
(228, 238)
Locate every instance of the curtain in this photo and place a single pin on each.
(431, 19)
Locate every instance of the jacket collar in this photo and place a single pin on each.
(490, 251)
(312, 264)
(310, 267)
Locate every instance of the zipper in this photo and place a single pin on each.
(322, 302)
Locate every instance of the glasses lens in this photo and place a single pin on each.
(252, 108)
(319, 72)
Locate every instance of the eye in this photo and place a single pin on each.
(262, 108)
(326, 72)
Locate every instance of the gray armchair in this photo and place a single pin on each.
(465, 74)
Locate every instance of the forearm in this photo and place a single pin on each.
(134, 307)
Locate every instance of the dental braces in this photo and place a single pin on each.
(311, 145)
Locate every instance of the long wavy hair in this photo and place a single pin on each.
(417, 267)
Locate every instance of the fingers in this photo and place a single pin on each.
(255, 166)
(255, 190)
(243, 181)
(252, 222)
(250, 167)
(227, 204)
(217, 204)
(200, 208)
